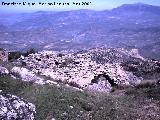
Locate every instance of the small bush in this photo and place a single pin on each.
(87, 106)
(31, 51)
(12, 56)
(74, 84)
(1, 49)
(146, 84)
(60, 55)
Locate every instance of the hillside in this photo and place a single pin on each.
(94, 84)
(62, 102)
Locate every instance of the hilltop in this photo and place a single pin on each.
(120, 86)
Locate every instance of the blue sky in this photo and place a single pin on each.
(95, 5)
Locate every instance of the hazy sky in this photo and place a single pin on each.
(95, 5)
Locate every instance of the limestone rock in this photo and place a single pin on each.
(14, 108)
(26, 75)
(82, 68)
(102, 86)
(3, 71)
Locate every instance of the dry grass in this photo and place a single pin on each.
(66, 103)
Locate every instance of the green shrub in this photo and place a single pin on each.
(146, 84)
(14, 55)
(1, 49)
(31, 51)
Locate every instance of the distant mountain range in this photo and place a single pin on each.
(130, 25)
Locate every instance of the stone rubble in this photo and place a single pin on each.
(102, 86)
(14, 108)
(3, 71)
(3, 55)
(110, 55)
(77, 69)
(26, 75)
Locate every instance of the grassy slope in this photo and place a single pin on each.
(54, 101)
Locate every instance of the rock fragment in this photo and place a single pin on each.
(14, 108)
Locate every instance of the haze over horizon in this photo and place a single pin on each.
(95, 5)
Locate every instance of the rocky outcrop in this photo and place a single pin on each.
(148, 69)
(14, 108)
(111, 55)
(101, 84)
(26, 75)
(3, 71)
(79, 69)
(3, 55)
